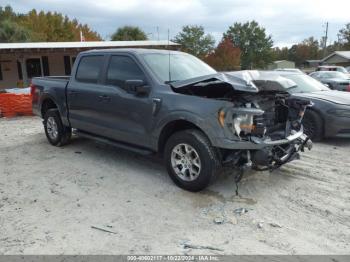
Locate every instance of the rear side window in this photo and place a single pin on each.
(123, 68)
(89, 69)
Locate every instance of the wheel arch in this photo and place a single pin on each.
(320, 115)
(171, 128)
(46, 104)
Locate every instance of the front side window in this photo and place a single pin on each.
(89, 69)
(122, 68)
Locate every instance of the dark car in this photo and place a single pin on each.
(333, 79)
(329, 115)
(173, 104)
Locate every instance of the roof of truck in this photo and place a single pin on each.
(132, 50)
(87, 44)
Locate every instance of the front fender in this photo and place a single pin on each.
(208, 124)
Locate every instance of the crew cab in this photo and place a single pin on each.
(173, 104)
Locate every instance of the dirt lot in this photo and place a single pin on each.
(51, 198)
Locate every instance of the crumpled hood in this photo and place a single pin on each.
(337, 97)
(236, 83)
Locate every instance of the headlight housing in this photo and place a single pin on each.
(238, 119)
(243, 123)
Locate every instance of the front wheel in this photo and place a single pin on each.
(57, 134)
(191, 161)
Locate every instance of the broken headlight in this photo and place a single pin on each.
(239, 119)
(243, 123)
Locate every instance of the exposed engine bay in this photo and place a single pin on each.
(262, 114)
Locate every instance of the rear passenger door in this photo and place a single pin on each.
(128, 116)
(83, 95)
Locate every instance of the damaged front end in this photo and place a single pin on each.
(263, 127)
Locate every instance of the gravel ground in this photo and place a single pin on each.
(56, 200)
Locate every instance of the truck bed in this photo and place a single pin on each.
(53, 78)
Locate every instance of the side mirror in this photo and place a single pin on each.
(137, 87)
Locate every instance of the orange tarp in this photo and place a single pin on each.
(15, 104)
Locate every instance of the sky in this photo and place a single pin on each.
(287, 21)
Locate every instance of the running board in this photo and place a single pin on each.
(141, 151)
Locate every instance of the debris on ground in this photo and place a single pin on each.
(233, 220)
(190, 246)
(260, 225)
(104, 230)
(219, 220)
(275, 225)
(240, 211)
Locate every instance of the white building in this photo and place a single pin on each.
(281, 64)
(19, 62)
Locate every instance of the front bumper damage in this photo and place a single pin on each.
(264, 147)
(276, 153)
(262, 126)
(266, 154)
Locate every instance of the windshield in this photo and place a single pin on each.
(333, 74)
(305, 84)
(182, 66)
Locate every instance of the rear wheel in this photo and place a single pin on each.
(191, 160)
(313, 127)
(57, 134)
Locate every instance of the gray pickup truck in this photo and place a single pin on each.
(173, 104)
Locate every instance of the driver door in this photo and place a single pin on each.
(127, 116)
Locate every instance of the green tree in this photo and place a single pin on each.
(129, 33)
(280, 53)
(54, 27)
(306, 50)
(10, 32)
(253, 42)
(6, 13)
(344, 35)
(193, 40)
(43, 26)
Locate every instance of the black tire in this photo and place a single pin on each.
(63, 133)
(313, 125)
(207, 154)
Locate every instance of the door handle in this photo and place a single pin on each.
(73, 92)
(104, 97)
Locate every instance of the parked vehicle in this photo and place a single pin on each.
(340, 69)
(333, 79)
(171, 103)
(329, 115)
(295, 70)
